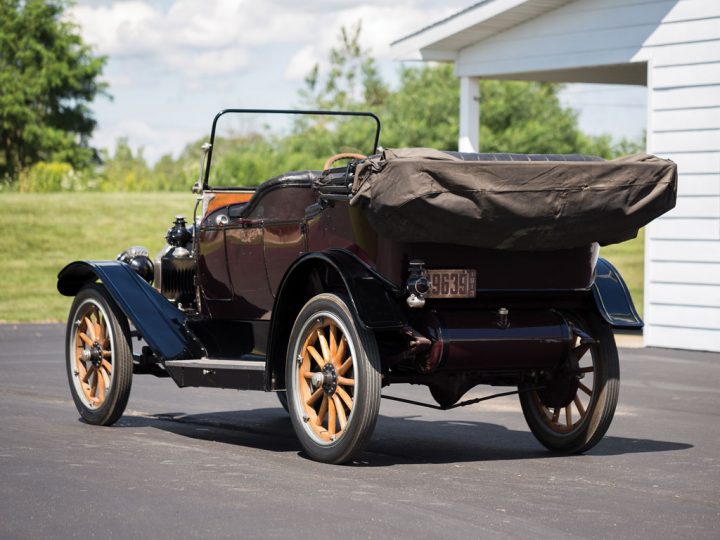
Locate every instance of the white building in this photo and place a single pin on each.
(670, 46)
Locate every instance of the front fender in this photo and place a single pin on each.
(161, 324)
(612, 297)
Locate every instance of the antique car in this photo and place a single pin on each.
(411, 266)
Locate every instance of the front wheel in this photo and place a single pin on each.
(98, 356)
(333, 380)
(574, 409)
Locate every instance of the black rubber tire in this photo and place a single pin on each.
(116, 400)
(282, 398)
(606, 388)
(366, 397)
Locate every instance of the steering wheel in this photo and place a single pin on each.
(338, 157)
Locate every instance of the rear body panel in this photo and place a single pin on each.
(343, 226)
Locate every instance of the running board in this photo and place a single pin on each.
(241, 374)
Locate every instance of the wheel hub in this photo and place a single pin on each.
(329, 378)
(96, 354)
(559, 391)
(562, 385)
(92, 354)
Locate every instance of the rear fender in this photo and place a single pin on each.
(372, 299)
(161, 324)
(612, 297)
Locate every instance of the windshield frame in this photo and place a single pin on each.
(208, 160)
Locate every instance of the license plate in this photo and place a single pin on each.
(451, 283)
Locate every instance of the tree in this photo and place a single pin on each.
(48, 78)
(352, 83)
(125, 170)
(424, 110)
(352, 79)
(515, 116)
(527, 117)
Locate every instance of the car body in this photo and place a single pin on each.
(288, 288)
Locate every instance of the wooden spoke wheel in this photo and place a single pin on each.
(575, 408)
(333, 380)
(99, 356)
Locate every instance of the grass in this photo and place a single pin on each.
(629, 259)
(43, 232)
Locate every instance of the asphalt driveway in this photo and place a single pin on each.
(219, 463)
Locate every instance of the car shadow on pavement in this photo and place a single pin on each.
(264, 429)
(447, 441)
(396, 440)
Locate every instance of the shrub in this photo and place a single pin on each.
(44, 177)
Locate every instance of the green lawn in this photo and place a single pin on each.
(43, 232)
(629, 258)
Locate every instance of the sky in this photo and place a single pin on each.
(172, 64)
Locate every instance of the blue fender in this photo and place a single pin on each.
(613, 299)
(161, 324)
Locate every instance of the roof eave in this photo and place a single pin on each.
(442, 40)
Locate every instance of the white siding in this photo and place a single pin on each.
(589, 33)
(682, 336)
(686, 76)
(691, 251)
(684, 119)
(699, 185)
(692, 295)
(680, 42)
(703, 206)
(680, 54)
(664, 142)
(674, 271)
(705, 163)
(686, 98)
(682, 279)
(683, 229)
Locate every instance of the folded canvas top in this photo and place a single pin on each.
(425, 195)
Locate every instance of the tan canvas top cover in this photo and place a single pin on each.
(424, 195)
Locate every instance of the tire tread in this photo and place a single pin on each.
(111, 411)
(602, 414)
(366, 407)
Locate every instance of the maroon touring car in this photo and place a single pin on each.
(411, 266)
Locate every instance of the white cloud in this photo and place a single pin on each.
(136, 27)
(118, 29)
(179, 61)
(301, 63)
(195, 64)
(381, 24)
(384, 24)
(219, 37)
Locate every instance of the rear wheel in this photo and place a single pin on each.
(574, 410)
(333, 380)
(98, 356)
(282, 398)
